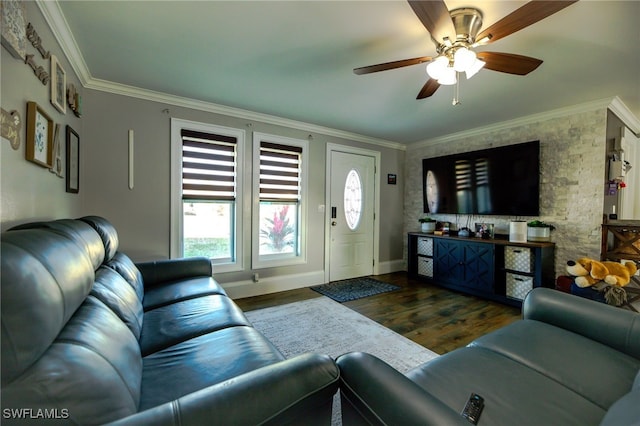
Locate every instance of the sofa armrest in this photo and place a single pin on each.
(299, 390)
(374, 393)
(159, 271)
(611, 326)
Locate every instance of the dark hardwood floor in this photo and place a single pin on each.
(434, 317)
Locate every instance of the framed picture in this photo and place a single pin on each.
(39, 136)
(73, 161)
(58, 85)
(485, 230)
(13, 27)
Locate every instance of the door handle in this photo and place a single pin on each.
(334, 223)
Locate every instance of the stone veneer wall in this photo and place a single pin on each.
(572, 167)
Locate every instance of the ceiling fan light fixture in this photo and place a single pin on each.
(449, 77)
(463, 59)
(438, 67)
(477, 65)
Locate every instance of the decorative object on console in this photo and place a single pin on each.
(538, 230)
(58, 85)
(36, 41)
(11, 123)
(73, 161)
(485, 230)
(428, 225)
(39, 136)
(13, 27)
(518, 231)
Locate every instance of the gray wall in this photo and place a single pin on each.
(28, 191)
(142, 215)
(572, 151)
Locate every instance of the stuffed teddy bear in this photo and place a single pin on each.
(589, 272)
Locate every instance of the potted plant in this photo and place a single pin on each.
(538, 230)
(428, 224)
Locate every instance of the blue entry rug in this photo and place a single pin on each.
(355, 288)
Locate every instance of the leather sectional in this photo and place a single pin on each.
(569, 361)
(88, 337)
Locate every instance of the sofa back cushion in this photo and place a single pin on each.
(45, 277)
(112, 290)
(107, 232)
(90, 374)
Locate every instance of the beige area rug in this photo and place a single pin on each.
(324, 326)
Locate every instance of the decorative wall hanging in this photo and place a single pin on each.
(39, 136)
(57, 153)
(58, 85)
(36, 41)
(38, 70)
(73, 161)
(14, 37)
(11, 124)
(73, 99)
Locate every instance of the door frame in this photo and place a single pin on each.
(333, 147)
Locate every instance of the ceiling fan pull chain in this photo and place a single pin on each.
(456, 91)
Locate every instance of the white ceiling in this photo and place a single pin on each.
(294, 60)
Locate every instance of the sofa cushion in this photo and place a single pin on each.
(178, 290)
(203, 361)
(111, 289)
(514, 394)
(171, 324)
(581, 364)
(92, 370)
(107, 233)
(45, 278)
(122, 264)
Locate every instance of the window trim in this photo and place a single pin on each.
(275, 260)
(176, 235)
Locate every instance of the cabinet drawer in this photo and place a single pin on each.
(518, 285)
(425, 246)
(518, 259)
(425, 266)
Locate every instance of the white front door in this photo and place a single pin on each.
(351, 215)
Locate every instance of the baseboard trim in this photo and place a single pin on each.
(390, 266)
(248, 288)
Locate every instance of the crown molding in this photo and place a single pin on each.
(521, 121)
(624, 113)
(60, 28)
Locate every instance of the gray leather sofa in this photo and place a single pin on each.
(88, 337)
(569, 361)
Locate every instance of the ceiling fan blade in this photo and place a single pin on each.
(509, 62)
(435, 16)
(428, 89)
(528, 14)
(391, 65)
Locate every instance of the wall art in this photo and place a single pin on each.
(11, 123)
(58, 85)
(13, 22)
(73, 161)
(74, 99)
(36, 41)
(39, 136)
(56, 166)
(38, 70)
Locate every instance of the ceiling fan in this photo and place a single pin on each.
(456, 33)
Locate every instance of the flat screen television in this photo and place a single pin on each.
(501, 181)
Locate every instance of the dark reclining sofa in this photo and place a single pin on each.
(89, 337)
(569, 361)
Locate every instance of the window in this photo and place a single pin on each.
(206, 196)
(279, 181)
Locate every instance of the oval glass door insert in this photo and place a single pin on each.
(353, 199)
